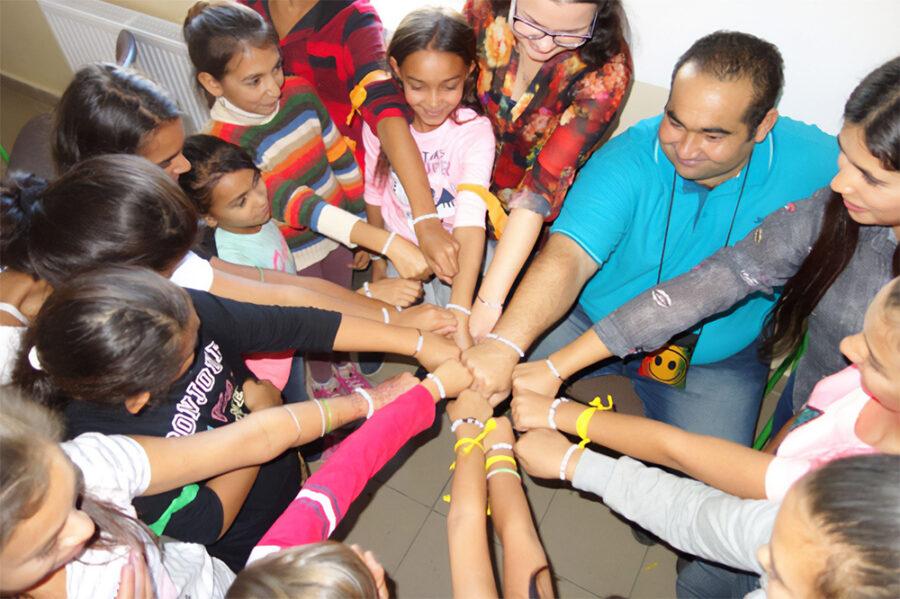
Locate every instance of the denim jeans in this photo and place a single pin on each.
(704, 580)
(721, 399)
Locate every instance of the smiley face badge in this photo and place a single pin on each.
(669, 364)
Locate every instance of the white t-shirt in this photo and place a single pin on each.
(10, 341)
(193, 272)
(116, 469)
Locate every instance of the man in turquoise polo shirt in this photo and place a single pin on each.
(648, 206)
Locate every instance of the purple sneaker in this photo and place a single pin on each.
(330, 388)
(349, 377)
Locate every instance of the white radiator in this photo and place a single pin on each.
(87, 30)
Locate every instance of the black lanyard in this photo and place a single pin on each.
(672, 203)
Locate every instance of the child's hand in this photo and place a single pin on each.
(535, 376)
(375, 568)
(503, 433)
(135, 581)
(454, 376)
(483, 320)
(426, 317)
(541, 453)
(470, 405)
(440, 249)
(379, 270)
(435, 351)
(461, 336)
(408, 259)
(361, 259)
(530, 409)
(391, 389)
(261, 395)
(397, 292)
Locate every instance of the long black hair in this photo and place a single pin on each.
(114, 209)
(874, 106)
(104, 337)
(108, 109)
(211, 159)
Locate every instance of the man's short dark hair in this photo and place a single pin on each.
(732, 55)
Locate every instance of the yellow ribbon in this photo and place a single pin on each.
(581, 425)
(358, 93)
(496, 214)
(467, 443)
(499, 458)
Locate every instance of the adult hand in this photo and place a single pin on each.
(426, 317)
(134, 578)
(408, 259)
(440, 249)
(535, 376)
(397, 292)
(261, 395)
(435, 351)
(491, 364)
(541, 452)
(530, 409)
(379, 270)
(483, 319)
(361, 259)
(386, 392)
(470, 405)
(454, 376)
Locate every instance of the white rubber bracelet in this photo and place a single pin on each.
(494, 305)
(366, 290)
(296, 422)
(437, 381)
(374, 257)
(551, 414)
(365, 395)
(322, 414)
(387, 244)
(565, 461)
(499, 446)
(467, 420)
(507, 343)
(553, 369)
(387, 316)
(428, 216)
(459, 308)
(503, 471)
(419, 343)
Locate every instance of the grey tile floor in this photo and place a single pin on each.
(402, 518)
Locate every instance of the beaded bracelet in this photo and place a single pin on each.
(440, 385)
(507, 343)
(386, 315)
(366, 291)
(467, 420)
(459, 308)
(551, 415)
(553, 369)
(565, 461)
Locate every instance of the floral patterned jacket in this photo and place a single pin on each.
(556, 124)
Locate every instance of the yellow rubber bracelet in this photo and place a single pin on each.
(499, 458)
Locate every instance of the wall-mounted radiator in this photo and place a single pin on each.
(87, 30)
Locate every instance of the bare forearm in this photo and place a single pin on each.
(585, 350)
(548, 290)
(369, 236)
(360, 334)
(471, 253)
(722, 464)
(521, 232)
(406, 160)
(522, 550)
(470, 565)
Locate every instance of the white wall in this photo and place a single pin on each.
(828, 45)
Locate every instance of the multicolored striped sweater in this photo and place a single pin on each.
(305, 163)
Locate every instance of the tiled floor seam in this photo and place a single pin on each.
(413, 541)
(578, 586)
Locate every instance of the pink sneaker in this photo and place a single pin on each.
(349, 377)
(330, 388)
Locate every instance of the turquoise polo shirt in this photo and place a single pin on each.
(616, 211)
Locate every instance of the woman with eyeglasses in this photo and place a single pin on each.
(553, 76)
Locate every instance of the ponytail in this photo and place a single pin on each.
(19, 198)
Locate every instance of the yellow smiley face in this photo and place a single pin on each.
(669, 365)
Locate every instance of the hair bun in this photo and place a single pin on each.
(23, 191)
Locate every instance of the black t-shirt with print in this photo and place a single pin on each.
(209, 395)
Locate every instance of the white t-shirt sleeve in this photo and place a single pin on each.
(115, 467)
(193, 272)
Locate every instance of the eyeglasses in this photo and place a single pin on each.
(533, 31)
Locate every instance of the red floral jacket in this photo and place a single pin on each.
(557, 123)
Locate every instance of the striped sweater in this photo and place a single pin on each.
(305, 163)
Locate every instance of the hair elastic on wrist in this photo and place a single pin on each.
(327, 407)
(565, 461)
(551, 414)
(366, 291)
(553, 369)
(503, 471)
(365, 395)
(467, 420)
(387, 244)
(507, 343)
(296, 422)
(424, 217)
(322, 414)
(459, 308)
(440, 385)
(386, 315)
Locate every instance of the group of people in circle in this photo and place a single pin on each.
(177, 312)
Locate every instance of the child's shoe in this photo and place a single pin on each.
(330, 388)
(349, 377)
